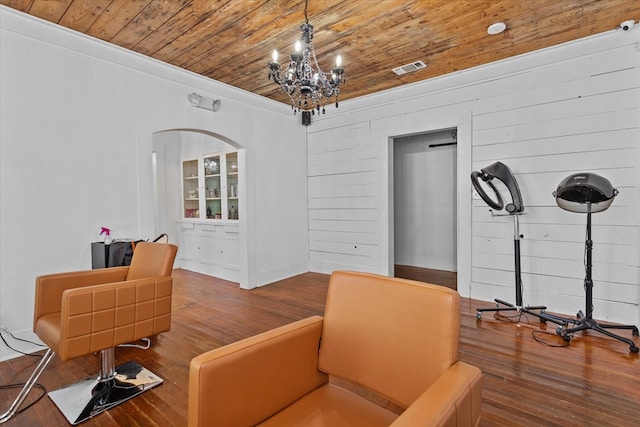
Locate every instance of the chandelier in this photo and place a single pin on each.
(308, 87)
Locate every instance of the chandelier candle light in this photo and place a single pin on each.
(308, 87)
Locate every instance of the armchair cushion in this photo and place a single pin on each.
(333, 406)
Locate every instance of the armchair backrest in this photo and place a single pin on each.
(151, 260)
(392, 336)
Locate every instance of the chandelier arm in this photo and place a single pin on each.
(276, 77)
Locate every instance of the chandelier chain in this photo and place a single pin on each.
(306, 9)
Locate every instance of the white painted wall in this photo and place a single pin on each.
(167, 147)
(77, 119)
(546, 115)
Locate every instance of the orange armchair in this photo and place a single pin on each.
(395, 338)
(84, 312)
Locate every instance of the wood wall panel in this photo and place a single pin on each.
(546, 116)
(343, 215)
(540, 115)
(560, 267)
(572, 234)
(593, 94)
(559, 294)
(334, 236)
(543, 83)
(342, 198)
(615, 253)
(615, 216)
(584, 119)
(531, 131)
(597, 141)
(355, 225)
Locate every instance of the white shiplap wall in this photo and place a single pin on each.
(548, 114)
(567, 117)
(343, 198)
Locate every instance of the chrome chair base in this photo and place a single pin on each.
(80, 401)
(33, 378)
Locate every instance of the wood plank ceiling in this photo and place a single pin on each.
(231, 40)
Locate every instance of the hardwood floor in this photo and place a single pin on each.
(593, 382)
(437, 277)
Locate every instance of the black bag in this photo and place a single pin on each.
(121, 252)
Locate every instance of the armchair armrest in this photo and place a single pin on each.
(49, 288)
(246, 382)
(453, 400)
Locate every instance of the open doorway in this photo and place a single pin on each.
(424, 207)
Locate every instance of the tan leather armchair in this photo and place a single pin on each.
(393, 337)
(84, 312)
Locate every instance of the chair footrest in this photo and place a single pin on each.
(80, 401)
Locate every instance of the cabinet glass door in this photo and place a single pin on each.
(213, 194)
(232, 185)
(190, 193)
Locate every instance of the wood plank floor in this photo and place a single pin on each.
(593, 382)
(437, 277)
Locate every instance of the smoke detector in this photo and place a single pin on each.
(409, 68)
(496, 28)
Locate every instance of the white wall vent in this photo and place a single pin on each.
(410, 68)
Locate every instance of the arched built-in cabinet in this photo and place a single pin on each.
(198, 185)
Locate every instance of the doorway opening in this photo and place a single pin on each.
(424, 207)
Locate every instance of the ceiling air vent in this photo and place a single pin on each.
(410, 68)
